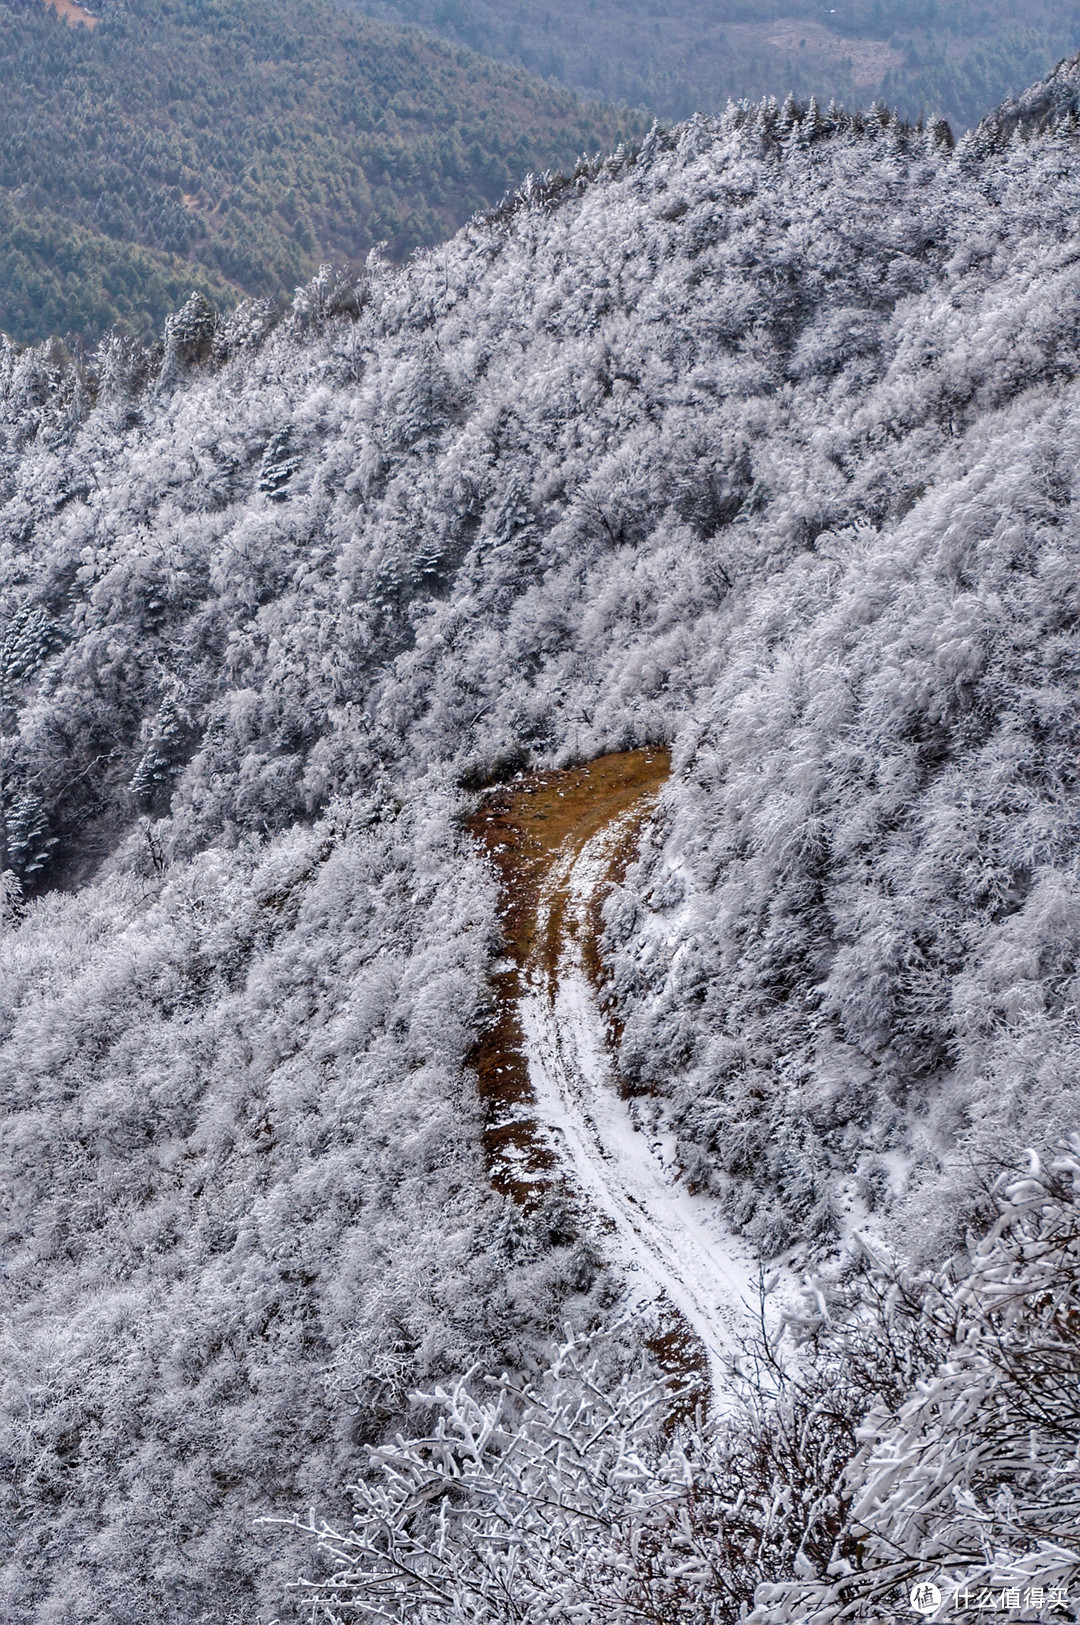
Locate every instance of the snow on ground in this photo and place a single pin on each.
(670, 1244)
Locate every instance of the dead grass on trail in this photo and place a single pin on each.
(526, 827)
(73, 13)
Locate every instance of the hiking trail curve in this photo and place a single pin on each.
(554, 1109)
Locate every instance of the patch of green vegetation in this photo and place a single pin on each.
(967, 82)
(253, 141)
(59, 278)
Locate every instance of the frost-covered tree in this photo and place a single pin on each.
(530, 1504)
(162, 759)
(278, 466)
(972, 1478)
(926, 1428)
(189, 334)
(27, 637)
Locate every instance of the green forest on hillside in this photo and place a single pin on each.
(57, 277)
(958, 58)
(213, 145)
(251, 142)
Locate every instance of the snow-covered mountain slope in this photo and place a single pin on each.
(761, 442)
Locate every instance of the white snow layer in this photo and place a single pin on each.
(669, 1243)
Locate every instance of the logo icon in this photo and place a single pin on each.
(925, 1597)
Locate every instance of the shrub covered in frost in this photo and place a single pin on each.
(927, 1429)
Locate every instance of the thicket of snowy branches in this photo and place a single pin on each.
(245, 1208)
(927, 1431)
(762, 442)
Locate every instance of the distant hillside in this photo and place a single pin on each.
(59, 278)
(946, 57)
(250, 140)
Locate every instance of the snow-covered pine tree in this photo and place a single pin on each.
(28, 635)
(189, 336)
(167, 746)
(278, 465)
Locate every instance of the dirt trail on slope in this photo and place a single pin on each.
(527, 827)
(555, 1114)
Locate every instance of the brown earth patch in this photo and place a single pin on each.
(71, 12)
(525, 827)
(813, 45)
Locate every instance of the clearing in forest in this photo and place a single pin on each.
(527, 827)
(73, 13)
(554, 1109)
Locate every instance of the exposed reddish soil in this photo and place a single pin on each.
(73, 13)
(526, 828)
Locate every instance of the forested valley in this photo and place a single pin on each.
(754, 447)
(231, 149)
(940, 58)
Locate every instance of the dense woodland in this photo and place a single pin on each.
(230, 151)
(759, 440)
(250, 142)
(950, 58)
(57, 278)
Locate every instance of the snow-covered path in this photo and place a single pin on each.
(669, 1243)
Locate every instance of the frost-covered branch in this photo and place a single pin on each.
(536, 1504)
(975, 1477)
(928, 1429)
